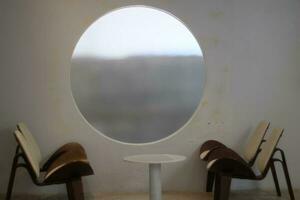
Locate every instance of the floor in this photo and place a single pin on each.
(243, 195)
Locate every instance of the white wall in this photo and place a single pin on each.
(252, 53)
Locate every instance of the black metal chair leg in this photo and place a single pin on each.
(210, 181)
(12, 175)
(274, 174)
(287, 176)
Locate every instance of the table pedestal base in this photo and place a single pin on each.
(155, 181)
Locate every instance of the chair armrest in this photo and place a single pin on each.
(68, 171)
(225, 153)
(209, 146)
(230, 166)
(71, 164)
(63, 149)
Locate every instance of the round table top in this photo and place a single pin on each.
(154, 158)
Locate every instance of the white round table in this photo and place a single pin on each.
(154, 161)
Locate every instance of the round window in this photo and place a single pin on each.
(137, 74)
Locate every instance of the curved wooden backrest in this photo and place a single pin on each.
(268, 148)
(255, 140)
(31, 140)
(28, 151)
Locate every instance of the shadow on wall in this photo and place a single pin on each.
(193, 168)
(7, 149)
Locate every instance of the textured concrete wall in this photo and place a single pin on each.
(252, 54)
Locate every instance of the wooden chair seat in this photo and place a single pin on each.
(72, 162)
(230, 164)
(220, 154)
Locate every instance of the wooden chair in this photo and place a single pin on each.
(251, 150)
(66, 166)
(227, 166)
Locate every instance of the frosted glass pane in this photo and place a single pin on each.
(137, 74)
